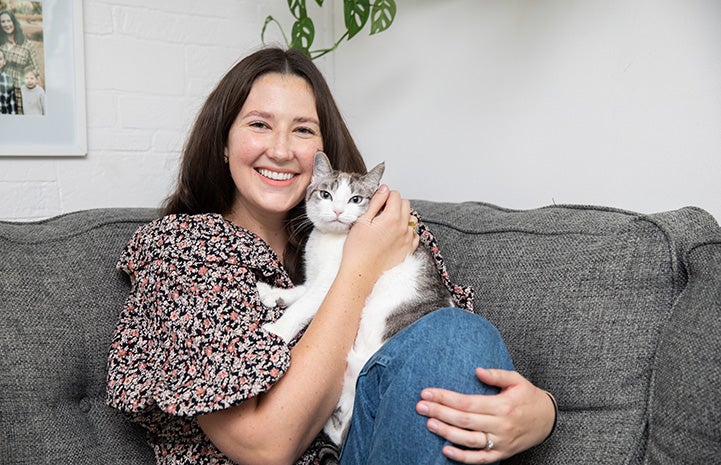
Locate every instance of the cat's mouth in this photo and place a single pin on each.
(275, 175)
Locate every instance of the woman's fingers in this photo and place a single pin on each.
(472, 456)
(455, 412)
(376, 204)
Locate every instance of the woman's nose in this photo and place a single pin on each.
(280, 149)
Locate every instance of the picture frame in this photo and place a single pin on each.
(61, 130)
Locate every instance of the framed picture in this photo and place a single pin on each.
(42, 80)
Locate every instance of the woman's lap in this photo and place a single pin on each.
(440, 350)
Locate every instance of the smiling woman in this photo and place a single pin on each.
(270, 152)
(205, 182)
(191, 358)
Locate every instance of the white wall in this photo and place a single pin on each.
(525, 103)
(521, 103)
(148, 67)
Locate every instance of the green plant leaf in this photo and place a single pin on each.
(383, 12)
(319, 2)
(356, 14)
(297, 9)
(302, 34)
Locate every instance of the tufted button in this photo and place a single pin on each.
(85, 404)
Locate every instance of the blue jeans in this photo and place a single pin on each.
(442, 349)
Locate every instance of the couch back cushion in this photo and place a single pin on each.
(60, 296)
(581, 296)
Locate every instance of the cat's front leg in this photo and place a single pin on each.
(297, 315)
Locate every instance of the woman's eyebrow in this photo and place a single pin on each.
(306, 119)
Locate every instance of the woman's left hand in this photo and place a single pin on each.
(520, 416)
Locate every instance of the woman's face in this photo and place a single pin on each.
(7, 24)
(271, 146)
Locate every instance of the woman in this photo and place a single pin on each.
(20, 53)
(190, 360)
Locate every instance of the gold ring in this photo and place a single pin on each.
(413, 224)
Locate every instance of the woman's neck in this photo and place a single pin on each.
(271, 230)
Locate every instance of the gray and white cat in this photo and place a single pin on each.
(403, 294)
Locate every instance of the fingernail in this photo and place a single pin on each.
(383, 188)
(432, 426)
(426, 395)
(423, 408)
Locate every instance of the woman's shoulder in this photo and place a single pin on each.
(206, 237)
(199, 231)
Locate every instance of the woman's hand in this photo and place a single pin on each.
(382, 237)
(519, 417)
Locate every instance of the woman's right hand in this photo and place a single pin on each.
(382, 237)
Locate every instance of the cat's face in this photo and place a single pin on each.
(335, 200)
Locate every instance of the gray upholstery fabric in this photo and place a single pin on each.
(594, 306)
(59, 298)
(618, 314)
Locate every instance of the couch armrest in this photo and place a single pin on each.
(686, 394)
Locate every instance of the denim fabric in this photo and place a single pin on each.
(442, 350)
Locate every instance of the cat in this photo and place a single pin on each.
(403, 294)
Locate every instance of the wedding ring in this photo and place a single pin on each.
(413, 222)
(489, 442)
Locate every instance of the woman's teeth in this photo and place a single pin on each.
(276, 176)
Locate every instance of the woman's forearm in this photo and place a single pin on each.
(277, 426)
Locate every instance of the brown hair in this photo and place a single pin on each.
(204, 182)
(18, 33)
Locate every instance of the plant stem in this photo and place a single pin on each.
(270, 19)
(319, 53)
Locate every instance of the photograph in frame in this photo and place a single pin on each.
(42, 80)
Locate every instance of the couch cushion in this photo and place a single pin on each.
(60, 296)
(581, 296)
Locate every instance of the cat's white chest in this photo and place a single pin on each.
(323, 254)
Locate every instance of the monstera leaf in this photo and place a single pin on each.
(356, 14)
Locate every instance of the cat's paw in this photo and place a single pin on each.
(279, 330)
(268, 295)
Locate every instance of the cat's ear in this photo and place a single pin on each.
(321, 165)
(374, 175)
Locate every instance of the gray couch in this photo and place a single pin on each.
(617, 313)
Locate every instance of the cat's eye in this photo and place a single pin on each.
(356, 199)
(325, 195)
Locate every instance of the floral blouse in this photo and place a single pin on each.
(189, 339)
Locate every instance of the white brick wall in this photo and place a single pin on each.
(553, 105)
(148, 67)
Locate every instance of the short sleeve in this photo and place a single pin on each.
(189, 339)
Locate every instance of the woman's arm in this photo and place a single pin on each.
(33, 58)
(519, 417)
(277, 426)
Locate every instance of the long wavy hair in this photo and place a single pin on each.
(18, 33)
(204, 183)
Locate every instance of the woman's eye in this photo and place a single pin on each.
(325, 195)
(258, 124)
(305, 130)
(356, 199)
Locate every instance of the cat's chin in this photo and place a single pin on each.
(333, 227)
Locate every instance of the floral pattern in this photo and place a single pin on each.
(189, 339)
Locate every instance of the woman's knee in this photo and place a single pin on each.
(460, 326)
(457, 334)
